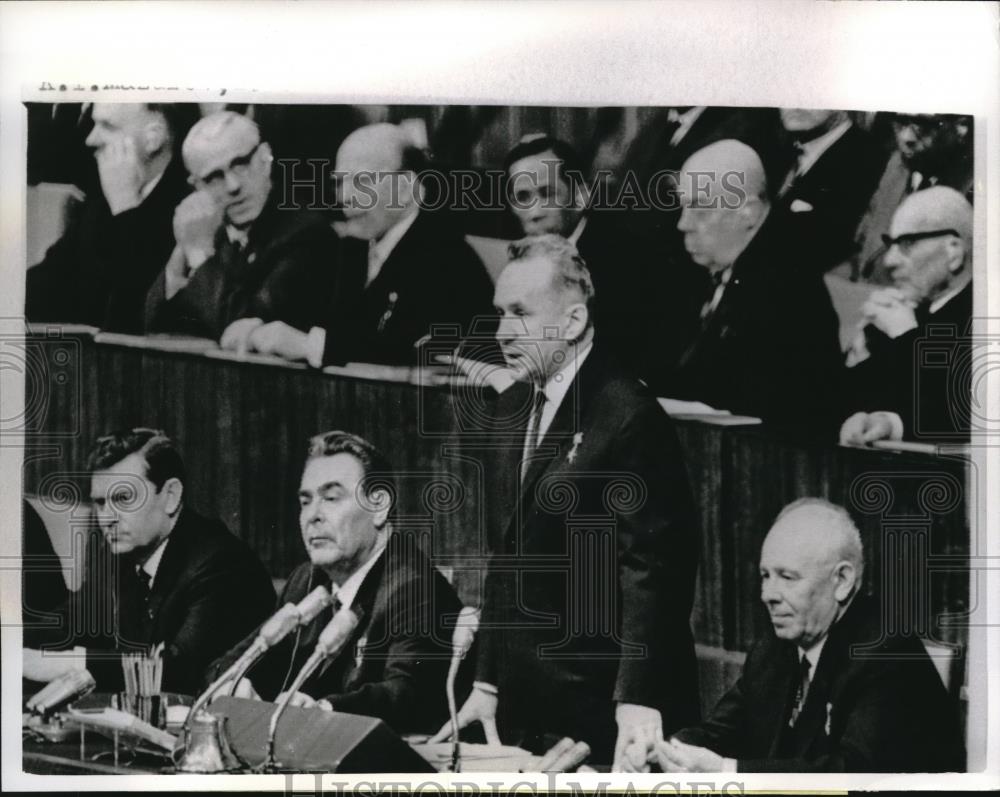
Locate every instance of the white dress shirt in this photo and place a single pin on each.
(557, 387)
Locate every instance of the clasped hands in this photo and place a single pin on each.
(276, 337)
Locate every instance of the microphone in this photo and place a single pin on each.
(281, 624)
(461, 640)
(66, 687)
(336, 634)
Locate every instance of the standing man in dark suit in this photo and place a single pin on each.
(892, 390)
(641, 318)
(166, 575)
(829, 690)
(239, 253)
(588, 597)
(395, 664)
(98, 272)
(768, 345)
(827, 187)
(407, 276)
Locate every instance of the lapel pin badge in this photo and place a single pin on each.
(829, 714)
(577, 440)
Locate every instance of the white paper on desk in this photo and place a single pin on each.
(255, 358)
(114, 720)
(480, 757)
(172, 343)
(678, 407)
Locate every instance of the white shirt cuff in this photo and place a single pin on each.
(315, 344)
(485, 687)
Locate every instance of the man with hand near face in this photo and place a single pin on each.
(239, 255)
(394, 665)
(588, 594)
(98, 272)
(406, 273)
(929, 260)
(164, 574)
(829, 690)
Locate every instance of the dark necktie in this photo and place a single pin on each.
(794, 172)
(144, 580)
(801, 691)
(718, 286)
(534, 424)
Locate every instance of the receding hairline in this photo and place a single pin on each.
(214, 127)
(824, 522)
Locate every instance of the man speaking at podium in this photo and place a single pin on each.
(586, 618)
(395, 664)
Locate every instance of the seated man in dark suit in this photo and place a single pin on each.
(768, 345)
(828, 185)
(395, 664)
(407, 276)
(828, 690)
(98, 272)
(239, 254)
(166, 575)
(890, 388)
(642, 317)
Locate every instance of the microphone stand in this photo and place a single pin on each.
(461, 640)
(337, 632)
(273, 631)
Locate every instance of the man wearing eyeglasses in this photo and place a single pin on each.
(100, 269)
(239, 254)
(929, 260)
(931, 149)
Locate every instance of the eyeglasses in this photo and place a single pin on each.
(238, 167)
(922, 125)
(906, 241)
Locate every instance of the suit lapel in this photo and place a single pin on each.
(169, 572)
(780, 692)
(363, 605)
(567, 423)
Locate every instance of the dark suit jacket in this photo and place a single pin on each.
(210, 590)
(646, 311)
(837, 188)
(771, 348)
(923, 375)
(285, 274)
(432, 282)
(591, 582)
(395, 665)
(43, 588)
(98, 273)
(883, 709)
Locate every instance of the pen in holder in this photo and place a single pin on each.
(142, 696)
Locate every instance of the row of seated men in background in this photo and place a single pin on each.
(740, 319)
